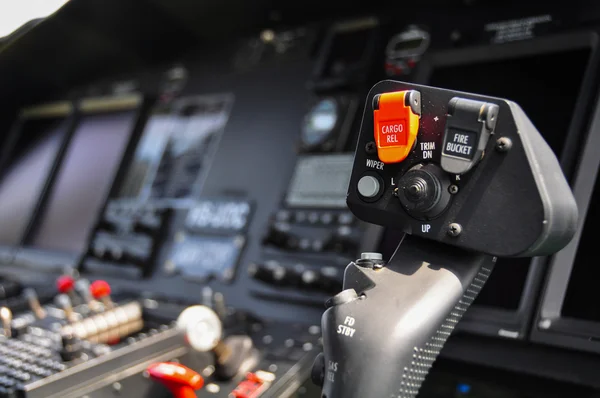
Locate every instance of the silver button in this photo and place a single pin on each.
(368, 186)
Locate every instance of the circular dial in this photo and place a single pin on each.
(320, 122)
(202, 327)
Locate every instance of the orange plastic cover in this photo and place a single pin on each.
(396, 127)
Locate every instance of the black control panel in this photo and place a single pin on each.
(412, 190)
(312, 237)
(224, 171)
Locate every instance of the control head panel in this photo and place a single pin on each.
(462, 169)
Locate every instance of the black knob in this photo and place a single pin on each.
(417, 190)
(310, 278)
(317, 373)
(71, 347)
(281, 238)
(423, 191)
(296, 274)
(270, 272)
(239, 353)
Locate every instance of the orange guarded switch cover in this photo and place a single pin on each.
(396, 118)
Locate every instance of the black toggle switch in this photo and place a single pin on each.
(423, 191)
(71, 348)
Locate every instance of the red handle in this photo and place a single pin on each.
(180, 380)
(183, 392)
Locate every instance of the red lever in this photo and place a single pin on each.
(180, 380)
(65, 284)
(101, 291)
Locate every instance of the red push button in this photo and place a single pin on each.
(396, 117)
(180, 380)
(65, 284)
(101, 291)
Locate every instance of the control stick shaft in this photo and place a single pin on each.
(365, 327)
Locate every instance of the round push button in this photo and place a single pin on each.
(368, 186)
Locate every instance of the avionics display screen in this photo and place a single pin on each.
(25, 173)
(320, 181)
(547, 90)
(176, 148)
(83, 181)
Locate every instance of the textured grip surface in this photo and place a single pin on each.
(382, 340)
(424, 357)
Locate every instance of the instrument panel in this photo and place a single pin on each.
(230, 171)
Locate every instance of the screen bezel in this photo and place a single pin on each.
(64, 110)
(55, 260)
(502, 322)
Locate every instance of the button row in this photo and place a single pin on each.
(328, 279)
(18, 370)
(34, 359)
(115, 251)
(314, 217)
(341, 240)
(30, 348)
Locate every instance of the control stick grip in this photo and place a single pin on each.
(382, 333)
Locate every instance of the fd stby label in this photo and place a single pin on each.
(346, 329)
(392, 133)
(460, 144)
